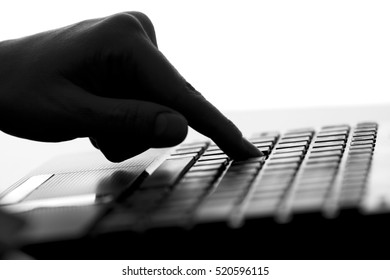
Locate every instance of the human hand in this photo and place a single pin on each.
(105, 79)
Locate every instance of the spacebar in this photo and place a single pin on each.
(168, 173)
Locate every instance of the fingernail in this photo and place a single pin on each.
(250, 148)
(170, 129)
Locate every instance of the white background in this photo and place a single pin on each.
(240, 54)
(250, 54)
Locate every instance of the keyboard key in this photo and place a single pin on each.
(294, 139)
(263, 143)
(352, 156)
(322, 165)
(194, 145)
(287, 155)
(260, 146)
(245, 166)
(213, 157)
(250, 160)
(235, 183)
(267, 195)
(212, 153)
(362, 138)
(227, 195)
(300, 130)
(337, 126)
(329, 148)
(205, 162)
(352, 187)
(259, 208)
(214, 149)
(368, 133)
(364, 146)
(311, 193)
(274, 180)
(316, 160)
(370, 124)
(244, 171)
(291, 145)
(260, 187)
(178, 156)
(206, 167)
(263, 202)
(267, 140)
(213, 212)
(358, 164)
(182, 194)
(290, 150)
(330, 138)
(186, 185)
(361, 149)
(348, 172)
(358, 178)
(266, 134)
(200, 174)
(297, 138)
(219, 199)
(307, 204)
(328, 144)
(276, 172)
(198, 180)
(352, 190)
(317, 173)
(374, 130)
(315, 180)
(188, 150)
(284, 160)
(312, 185)
(332, 133)
(298, 134)
(325, 154)
(228, 191)
(281, 166)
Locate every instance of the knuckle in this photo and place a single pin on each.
(119, 31)
(147, 25)
(119, 27)
(143, 18)
(124, 21)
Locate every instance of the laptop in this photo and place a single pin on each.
(321, 191)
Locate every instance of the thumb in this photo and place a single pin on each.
(122, 128)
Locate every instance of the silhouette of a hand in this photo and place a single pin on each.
(105, 79)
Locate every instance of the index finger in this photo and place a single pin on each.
(169, 88)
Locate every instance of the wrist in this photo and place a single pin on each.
(7, 81)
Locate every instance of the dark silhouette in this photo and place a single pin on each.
(104, 79)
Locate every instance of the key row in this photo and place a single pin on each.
(358, 162)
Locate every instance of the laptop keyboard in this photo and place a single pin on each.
(302, 171)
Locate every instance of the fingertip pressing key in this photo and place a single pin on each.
(251, 150)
